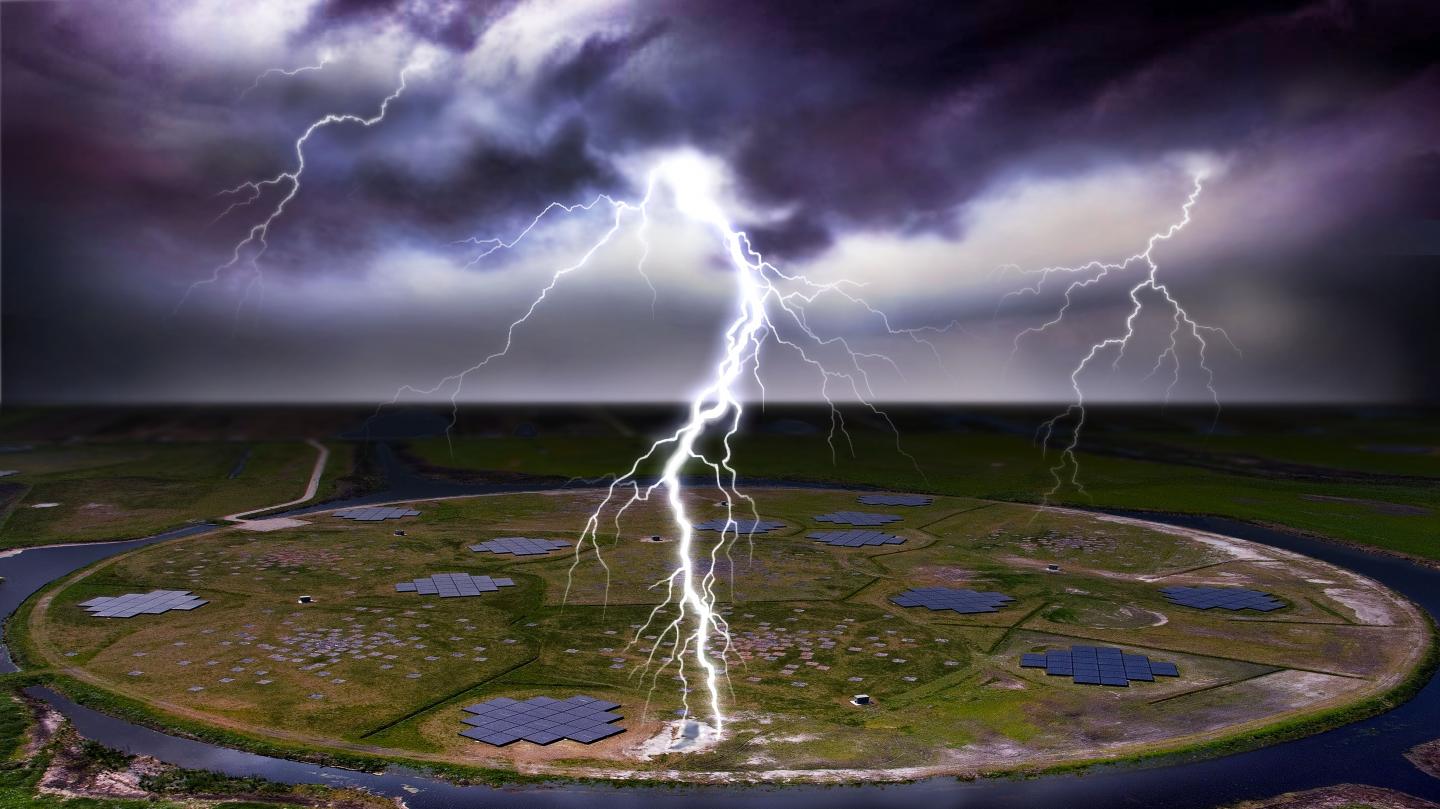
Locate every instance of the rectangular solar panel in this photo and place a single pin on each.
(855, 539)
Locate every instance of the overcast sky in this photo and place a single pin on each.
(938, 153)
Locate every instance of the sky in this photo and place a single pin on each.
(934, 155)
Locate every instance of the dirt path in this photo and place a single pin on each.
(321, 458)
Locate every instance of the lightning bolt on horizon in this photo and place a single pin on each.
(246, 254)
(1091, 274)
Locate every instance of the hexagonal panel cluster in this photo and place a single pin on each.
(154, 602)
(965, 602)
(1099, 665)
(521, 546)
(453, 585)
(857, 518)
(1225, 598)
(541, 720)
(743, 525)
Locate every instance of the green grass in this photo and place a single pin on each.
(124, 490)
(1004, 468)
(967, 682)
(20, 777)
(532, 639)
(1402, 444)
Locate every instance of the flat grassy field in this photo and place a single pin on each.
(366, 669)
(1403, 517)
(94, 491)
(1377, 443)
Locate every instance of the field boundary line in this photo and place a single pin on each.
(1010, 630)
(924, 528)
(1217, 685)
(423, 708)
(1201, 654)
(862, 588)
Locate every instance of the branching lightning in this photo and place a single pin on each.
(246, 254)
(771, 306)
(325, 59)
(1092, 274)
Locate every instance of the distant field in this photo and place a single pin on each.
(1401, 447)
(1396, 517)
(123, 490)
(367, 669)
(1367, 477)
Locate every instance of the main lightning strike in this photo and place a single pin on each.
(1092, 274)
(766, 299)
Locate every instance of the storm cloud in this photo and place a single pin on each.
(916, 147)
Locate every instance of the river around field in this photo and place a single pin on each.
(1367, 752)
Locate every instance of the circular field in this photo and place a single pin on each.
(364, 668)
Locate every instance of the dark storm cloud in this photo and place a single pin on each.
(575, 74)
(849, 116)
(454, 25)
(875, 115)
(491, 181)
(891, 114)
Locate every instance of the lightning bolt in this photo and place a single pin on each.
(769, 305)
(246, 254)
(325, 59)
(1092, 274)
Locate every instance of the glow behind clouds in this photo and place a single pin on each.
(917, 159)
